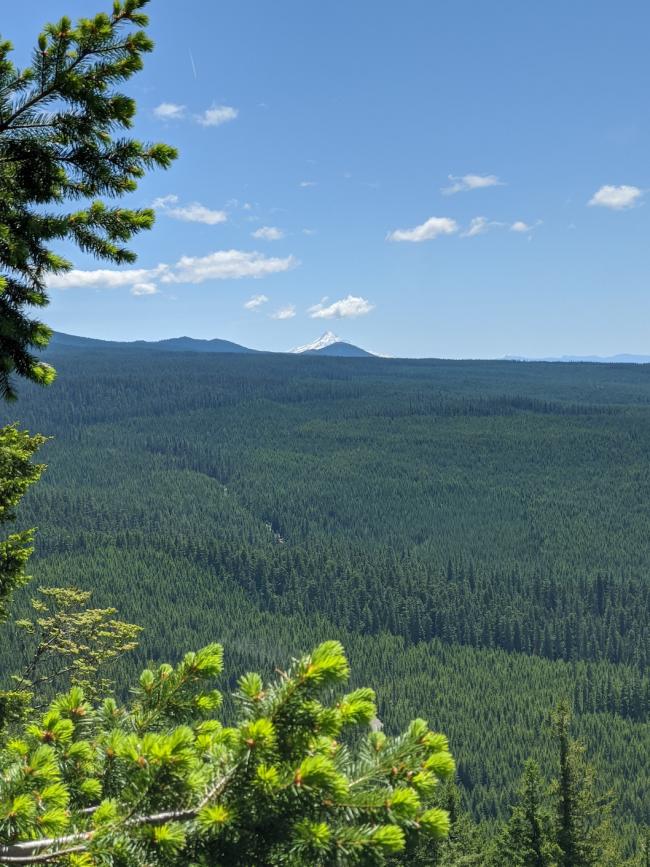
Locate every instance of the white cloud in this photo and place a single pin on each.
(521, 226)
(287, 312)
(617, 198)
(144, 289)
(348, 307)
(470, 182)
(428, 230)
(226, 265)
(255, 302)
(308, 183)
(103, 278)
(268, 233)
(479, 226)
(164, 201)
(195, 212)
(198, 213)
(169, 111)
(220, 265)
(217, 115)
(309, 231)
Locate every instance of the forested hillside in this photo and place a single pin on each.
(476, 533)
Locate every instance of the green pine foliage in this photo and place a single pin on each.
(61, 121)
(17, 473)
(162, 781)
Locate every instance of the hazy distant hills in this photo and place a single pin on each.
(173, 344)
(593, 359)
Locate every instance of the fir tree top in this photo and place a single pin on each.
(61, 139)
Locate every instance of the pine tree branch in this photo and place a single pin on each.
(25, 851)
(44, 94)
(41, 859)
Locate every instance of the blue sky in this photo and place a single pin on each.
(313, 189)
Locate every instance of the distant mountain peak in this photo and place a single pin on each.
(326, 339)
(330, 344)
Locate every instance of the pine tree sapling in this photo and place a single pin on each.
(58, 143)
(163, 782)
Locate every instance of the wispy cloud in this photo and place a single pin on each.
(169, 111)
(465, 183)
(616, 198)
(144, 289)
(308, 183)
(195, 212)
(346, 308)
(427, 231)
(268, 233)
(481, 225)
(220, 265)
(217, 115)
(255, 302)
(287, 312)
(521, 226)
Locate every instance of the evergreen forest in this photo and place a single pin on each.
(475, 534)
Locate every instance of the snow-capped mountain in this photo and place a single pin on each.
(324, 340)
(330, 344)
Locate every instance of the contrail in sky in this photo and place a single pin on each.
(193, 64)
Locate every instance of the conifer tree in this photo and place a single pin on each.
(528, 837)
(17, 474)
(59, 120)
(583, 834)
(163, 782)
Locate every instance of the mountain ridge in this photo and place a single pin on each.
(170, 344)
(327, 345)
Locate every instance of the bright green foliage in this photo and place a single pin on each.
(464, 846)
(162, 782)
(70, 642)
(58, 142)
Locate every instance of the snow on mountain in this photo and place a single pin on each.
(323, 341)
